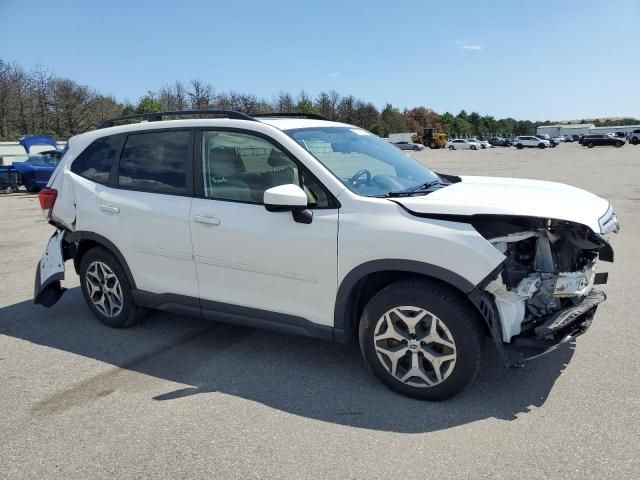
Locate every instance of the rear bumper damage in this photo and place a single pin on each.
(47, 288)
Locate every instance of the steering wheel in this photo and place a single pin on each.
(355, 180)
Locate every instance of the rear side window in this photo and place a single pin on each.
(156, 162)
(95, 162)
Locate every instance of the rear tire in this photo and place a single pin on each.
(541, 146)
(618, 144)
(408, 352)
(519, 146)
(634, 140)
(451, 147)
(106, 289)
(590, 145)
(473, 147)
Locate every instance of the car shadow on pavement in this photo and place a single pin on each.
(302, 376)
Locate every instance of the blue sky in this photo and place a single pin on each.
(530, 60)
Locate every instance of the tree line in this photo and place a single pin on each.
(39, 101)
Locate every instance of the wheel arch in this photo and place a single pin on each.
(365, 280)
(88, 240)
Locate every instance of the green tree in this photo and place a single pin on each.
(392, 120)
(149, 103)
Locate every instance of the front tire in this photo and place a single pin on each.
(519, 146)
(451, 147)
(107, 290)
(590, 145)
(420, 339)
(618, 144)
(541, 146)
(473, 147)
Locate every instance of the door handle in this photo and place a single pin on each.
(109, 208)
(207, 220)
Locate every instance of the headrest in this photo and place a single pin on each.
(278, 159)
(222, 162)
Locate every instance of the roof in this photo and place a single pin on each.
(291, 123)
(279, 123)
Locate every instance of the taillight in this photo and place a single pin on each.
(47, 198)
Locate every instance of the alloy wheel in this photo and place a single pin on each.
(415, 346)
(104, 289)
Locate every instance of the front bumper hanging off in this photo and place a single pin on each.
(561, 327)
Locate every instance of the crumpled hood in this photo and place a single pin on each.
(512, 196)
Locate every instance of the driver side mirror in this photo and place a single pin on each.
(288, 198)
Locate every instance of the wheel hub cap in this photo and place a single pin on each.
(103, 288)
(415, 346)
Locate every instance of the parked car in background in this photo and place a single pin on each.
(567, 138)
(500, 142)
(531, 141)
(634, 137)
(463, 144)
(597, 140)
(552, 143)
(37, 168)
(408, 146)
(483, 143)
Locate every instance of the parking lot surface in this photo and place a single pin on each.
(176, 397)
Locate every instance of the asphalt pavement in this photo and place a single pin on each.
(176, 397)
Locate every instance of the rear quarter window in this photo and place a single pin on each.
(156, 162)
(94, 163)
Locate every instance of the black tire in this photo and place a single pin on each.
(634, 140)
(130, 313)
(590, 145)
(461, 320)
(618, 144)
(519, 146)
(473, 147)
(451, 147)
(541, 146)
(31, 187)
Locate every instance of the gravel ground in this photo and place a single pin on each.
(177, 397)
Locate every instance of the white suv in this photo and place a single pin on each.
(531, 142)
(306, 226)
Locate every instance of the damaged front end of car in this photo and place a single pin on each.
(542, 295)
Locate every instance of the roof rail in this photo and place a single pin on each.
(311, 116)
(157, 116)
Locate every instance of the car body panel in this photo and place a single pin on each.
(288, 267)
(511, 196)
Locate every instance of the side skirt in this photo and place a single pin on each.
(234, 314)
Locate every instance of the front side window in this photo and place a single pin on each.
(156, 162)
(366, 164)
(94, 163)
(240, 167)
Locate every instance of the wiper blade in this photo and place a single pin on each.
(419, 189)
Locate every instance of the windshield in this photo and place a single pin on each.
(365, 163)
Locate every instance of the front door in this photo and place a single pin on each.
(247, 256)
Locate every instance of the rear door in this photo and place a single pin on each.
(142, 205)
(249, 257)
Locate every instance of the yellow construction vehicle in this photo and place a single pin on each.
(430, 138)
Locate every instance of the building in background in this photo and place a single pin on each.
(582, 129)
